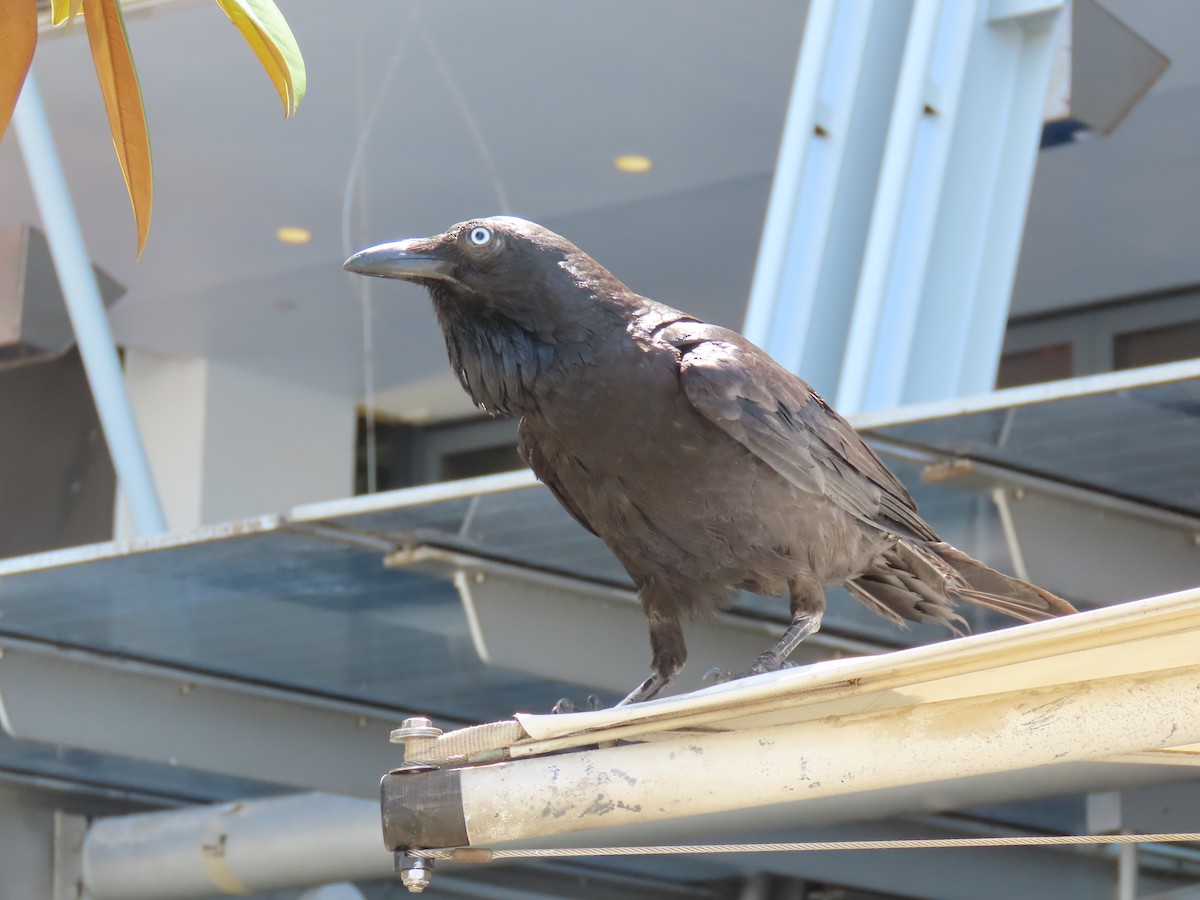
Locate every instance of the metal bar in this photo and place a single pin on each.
(907, 110)
(785, 189)
(938, 743)
(502, 600)
(985, 474)
(1127, 872)
(917, 219)
(86, 309)
(239, 848)
(1107, 382)
(104, 704)
(1011, 186)
(422, 495)
(986, 184)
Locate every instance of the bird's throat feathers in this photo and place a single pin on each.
(503, 360)
(518, 330)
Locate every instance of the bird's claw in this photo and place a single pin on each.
(567, 705)
(767, 663)
(717, 675)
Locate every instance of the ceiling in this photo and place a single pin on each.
(423, 114)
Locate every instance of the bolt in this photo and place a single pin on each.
(416, 727)
(1196, 538)
(1018, 493)
(480, 578)
(415, 874)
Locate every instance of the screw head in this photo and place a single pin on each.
(416, 727)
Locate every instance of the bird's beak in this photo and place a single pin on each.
(412, 260)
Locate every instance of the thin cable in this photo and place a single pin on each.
(464, 110)
(356, 182)
(482, 854)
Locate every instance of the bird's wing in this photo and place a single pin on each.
(788, 426)
(531, 452)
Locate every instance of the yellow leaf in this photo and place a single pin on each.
(265, 30)
(18, 36)
(123, 103)
(64, 11)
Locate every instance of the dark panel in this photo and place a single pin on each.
(57, 483)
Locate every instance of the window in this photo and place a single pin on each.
(1123, 334)
(408, 455)
(1151, 346)
(1049, 363)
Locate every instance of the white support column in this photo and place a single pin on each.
(226, 442)
(820, 204)
(988, 176)
(899, 199)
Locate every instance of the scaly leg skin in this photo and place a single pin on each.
(668, 656)
(567, 705)
(808, 608)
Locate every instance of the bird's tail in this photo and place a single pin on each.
(921, 582)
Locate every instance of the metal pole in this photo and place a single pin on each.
(236, 848)
(1127, 872)
(86, 309)
(907, 110)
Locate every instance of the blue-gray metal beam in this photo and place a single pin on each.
(121, 707)
(86, 309)
(888, 254)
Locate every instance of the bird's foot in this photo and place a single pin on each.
(567, 705)
(769, 662)
(764, 663)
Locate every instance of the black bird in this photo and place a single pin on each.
(701, 462)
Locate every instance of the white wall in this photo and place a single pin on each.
(227, 443)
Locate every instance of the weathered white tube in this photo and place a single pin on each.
(237, 848)
(922, 744)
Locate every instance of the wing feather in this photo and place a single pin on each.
(784, 422)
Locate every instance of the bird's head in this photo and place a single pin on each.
(499, 266)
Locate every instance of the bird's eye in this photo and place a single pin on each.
(479, 235)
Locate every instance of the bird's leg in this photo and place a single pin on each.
(808, 607)
(668, 655)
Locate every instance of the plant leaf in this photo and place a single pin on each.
(265, 30)
(123, 103)
(18, 37)
(64, 11)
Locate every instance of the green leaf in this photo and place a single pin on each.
(265, 30)
(18, 37)
(123, 103)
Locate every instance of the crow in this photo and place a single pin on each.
(703, 464)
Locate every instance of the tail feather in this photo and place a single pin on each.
(922, 582)
(993, 589)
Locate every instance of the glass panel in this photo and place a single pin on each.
(1141, 442)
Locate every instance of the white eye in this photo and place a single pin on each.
(479, 235)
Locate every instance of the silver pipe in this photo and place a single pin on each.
(86, 309)
(236, 848)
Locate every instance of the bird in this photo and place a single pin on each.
(704, 465)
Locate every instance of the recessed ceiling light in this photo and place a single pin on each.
(633, 163)
(293, 234)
